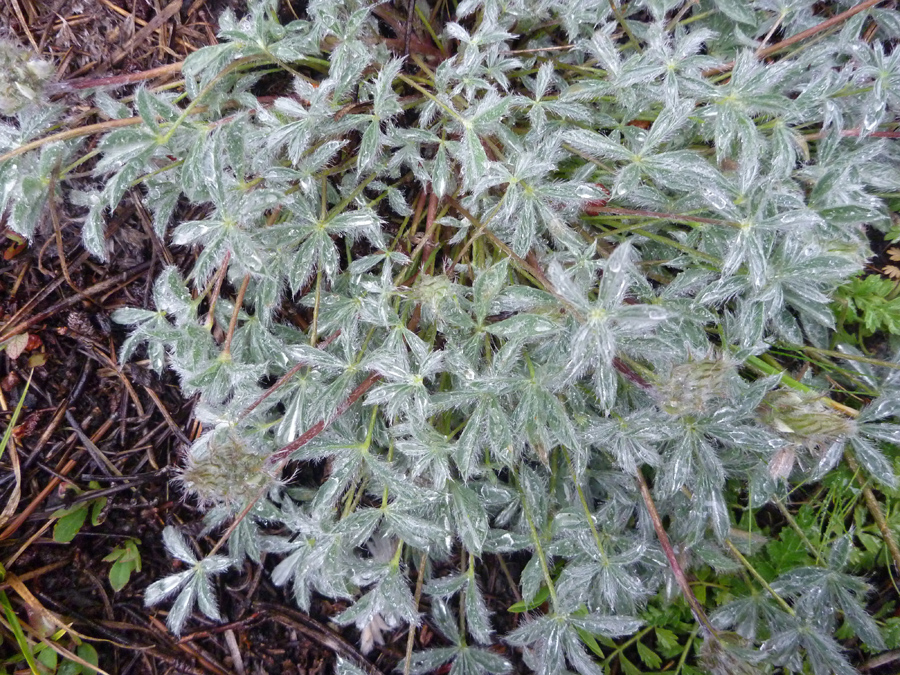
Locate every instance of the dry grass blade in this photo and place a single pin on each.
(153, 25)
(13, 503)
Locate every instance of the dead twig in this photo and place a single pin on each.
(316, 632)
(152, 26)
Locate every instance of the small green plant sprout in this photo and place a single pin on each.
(866, 305)
(71, 519)
(125, 559)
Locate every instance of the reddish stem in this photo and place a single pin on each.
(680, 576)
(321, 425)
(112, 80)
(809, 32)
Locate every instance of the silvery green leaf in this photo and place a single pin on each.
(182, 607)
(145, 107)
(110, 106)
(874, 461)
(132, 316)
(471, 519)
(488, 662)
(446, 587)
(523, 327)
(668, 122)
(93, 231)
(372, 140)
(608, 626)
(474, 158)
(502, 541)
(532, 578)
(162, 589)
(477, 616)
(415, 531)
(441, 176)
(123, 145)
(178, 546)
(206, 599)
(597, 145)
(203, 64)
(884, 407)
(344, 667)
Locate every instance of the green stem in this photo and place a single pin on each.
(453, 113)
(314, 329)
(759, 578)
(538, 549)
(792, 523)
(686, 650)
(584, 505)
(625, 645)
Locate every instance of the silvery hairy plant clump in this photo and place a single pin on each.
(409, 281)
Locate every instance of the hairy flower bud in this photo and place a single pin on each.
(225, 469)
(804, 419)
(21, 77)
(692, 386)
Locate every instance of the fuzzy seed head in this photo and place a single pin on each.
(692, 386)
(803, 419)
(21, 77)
(225, 470)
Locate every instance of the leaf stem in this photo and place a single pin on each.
(677, 571)
(759, 578)
(238, 306)
(538, 549)
(584, 505)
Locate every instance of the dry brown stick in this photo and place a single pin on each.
(112, 80)
(875, 509)
(42, 441)
(321, 425)
(165, 413)
(57, 230)
(16, 522)
(242, 624)
(882, 659)
(69, 134)
(207, 663)
(238, 306)
(40, 571)
(851, 133)
(616, 211)
(217, 287)
(316, 632)
(102, 461)
(271, 390)
(284, 378)
(411, 637)
(39, 297)
(24, 25)
(147, 224)
(410, 12)
(16, 493)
